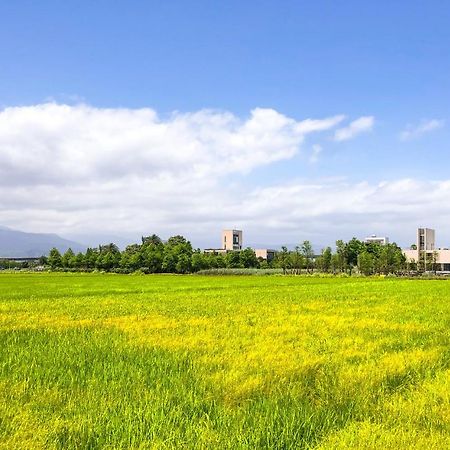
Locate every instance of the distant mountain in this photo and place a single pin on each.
(95, 239)
(15, 243)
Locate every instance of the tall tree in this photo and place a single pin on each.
(308, 254)
(247, 258)
(68, 258)
(341, 255)
(54, 258)
(365, 263)
(296, 260)
(283, 259)
(326, 259)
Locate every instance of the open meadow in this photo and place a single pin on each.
(163, 361)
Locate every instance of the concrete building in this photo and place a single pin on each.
(425, 251)
(232, 240)
(383, 240)
(265, 253)
(426, 239)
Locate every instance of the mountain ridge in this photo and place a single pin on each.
(16, 243)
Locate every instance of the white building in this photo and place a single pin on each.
(426, 252)
(383, 240)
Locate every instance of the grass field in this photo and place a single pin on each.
(104, 361)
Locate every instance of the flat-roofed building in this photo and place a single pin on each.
(383, 240)
(425, 251)
(426, 239)
(232, 239)
(265, 253)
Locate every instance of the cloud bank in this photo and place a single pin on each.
(60, 144)
(80, 169)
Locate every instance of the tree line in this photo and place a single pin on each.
(176, 255)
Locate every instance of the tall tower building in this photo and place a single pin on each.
(425, 240)
(232, 239)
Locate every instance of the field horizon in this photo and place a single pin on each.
(170, 361)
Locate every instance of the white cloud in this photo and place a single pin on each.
(61, 144)
(426, 126)
(358, 126)
(316, 151)
(78, 170)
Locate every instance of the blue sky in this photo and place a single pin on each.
(388, 61)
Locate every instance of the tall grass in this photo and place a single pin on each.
(109, 361)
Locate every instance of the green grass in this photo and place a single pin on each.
(111, 361)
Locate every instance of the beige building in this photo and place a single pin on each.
(232, 240)
(426, 250)
(265, 253)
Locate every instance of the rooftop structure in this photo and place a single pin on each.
(383, 240)
(232, 239)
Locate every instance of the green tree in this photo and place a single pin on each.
(177, 255)
(170, 260)
(43, 260)
(183, 263)
(341, 255)
(220, 261)
(326, 259)
(108, 260)
(352, 249)
(54, 258)
(365, 263)
(247, 258)
(90, 258)
(308, 255)
(282, 260)
(153, 240)
(296, 260)
(68, 259)
(79, 261)
(335, 263)
(391, 259)
(132, 258)
(233, 260)
(199, 261)
(153, 256)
